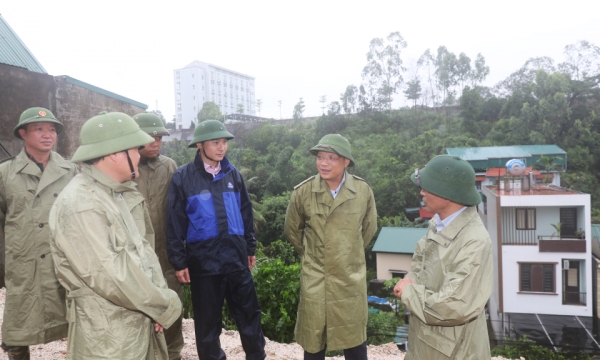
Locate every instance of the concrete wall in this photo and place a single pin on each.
(75, 105)
(21, 89)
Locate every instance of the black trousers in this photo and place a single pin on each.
(356, 353)
(238, 289)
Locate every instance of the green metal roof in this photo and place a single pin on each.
(14, 52)
(85, 85)
(398, 240)
(497, 156)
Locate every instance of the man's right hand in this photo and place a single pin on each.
(183, 276)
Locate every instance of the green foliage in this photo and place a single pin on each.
(178, 151)
(283, 251)
(273, 211)
(277, 287)
(298, 110)
(381, 327)
(210, 111)
(529, 350)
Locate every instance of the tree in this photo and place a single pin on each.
(480, 71)
(209, 111)
(258, 105)
(446, 71)
(240, 108)
(348, 99)
(298, 110)
(413, 92)
(383, 72)
(160, 115)
(323, 100)
(334, 108)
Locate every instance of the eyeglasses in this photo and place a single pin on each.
(331, 159)
(417, 178)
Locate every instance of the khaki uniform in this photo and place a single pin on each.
(115, 287)
(453, 272)
(153, 183)
(331, 235)
(34, 311)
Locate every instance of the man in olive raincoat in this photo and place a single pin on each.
(451, 273)
(155, 172)
(330, 220)
(34, 311)
(118, 301)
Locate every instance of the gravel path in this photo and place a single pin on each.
(230, 341)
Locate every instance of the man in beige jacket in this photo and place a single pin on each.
(34, 311)
(451, 273)
(156, 171)
(118, 301)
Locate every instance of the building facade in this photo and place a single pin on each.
(200, 82)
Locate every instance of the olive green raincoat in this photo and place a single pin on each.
(331, 235)
(115, 287)
(453, 272)
(34, 311)
(153, 183)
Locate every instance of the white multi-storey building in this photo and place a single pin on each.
(199, 82)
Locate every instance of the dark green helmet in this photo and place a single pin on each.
(36, 114)
(151, 124)
(448, 177)
(210, 130)
(108, 133)
(335, 144)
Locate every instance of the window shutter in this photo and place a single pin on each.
(525, 277)
(548, 278)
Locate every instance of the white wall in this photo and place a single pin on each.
(541, 304)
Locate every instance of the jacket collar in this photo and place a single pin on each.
(55, 168)
(449, 233)
(226, 166)
(152, 163)
(106, 181)
(320, 185)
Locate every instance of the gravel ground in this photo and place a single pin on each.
(230, 341)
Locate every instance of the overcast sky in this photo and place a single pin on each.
(293, 48)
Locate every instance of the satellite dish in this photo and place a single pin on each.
(515, 167)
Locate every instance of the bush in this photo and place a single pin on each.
(531, 351)
(277, 287)
(381, 327)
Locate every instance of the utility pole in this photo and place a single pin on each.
(279, 109)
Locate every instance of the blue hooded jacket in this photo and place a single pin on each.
(210, 227)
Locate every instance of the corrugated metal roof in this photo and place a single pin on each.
(111, 94)
(398, 240)
(14, 52)
(497, 156)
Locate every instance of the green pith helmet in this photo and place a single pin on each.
(108, 133)
(36, 114)
(448, 177)
(335, 144)
(151, 124)
(210, 130)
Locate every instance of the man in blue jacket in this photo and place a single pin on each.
(211, 244)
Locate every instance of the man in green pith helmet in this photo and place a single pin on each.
(155, 172)
(330, 220)
(102, 236)
(211, 244)
(450, 280)
(34, 311)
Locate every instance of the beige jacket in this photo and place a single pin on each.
(34, 311)
(453, 272)
(331, 235)
(115, 287)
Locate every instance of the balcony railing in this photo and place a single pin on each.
(569, 244)
(573, 298)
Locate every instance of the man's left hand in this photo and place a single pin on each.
(399, 288)
(251, 261)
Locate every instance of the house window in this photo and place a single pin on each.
(398, 273)
(178, 107)
(537, 277)
(525, 218)
(178, 96)
(177, 86)
(177, 74)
